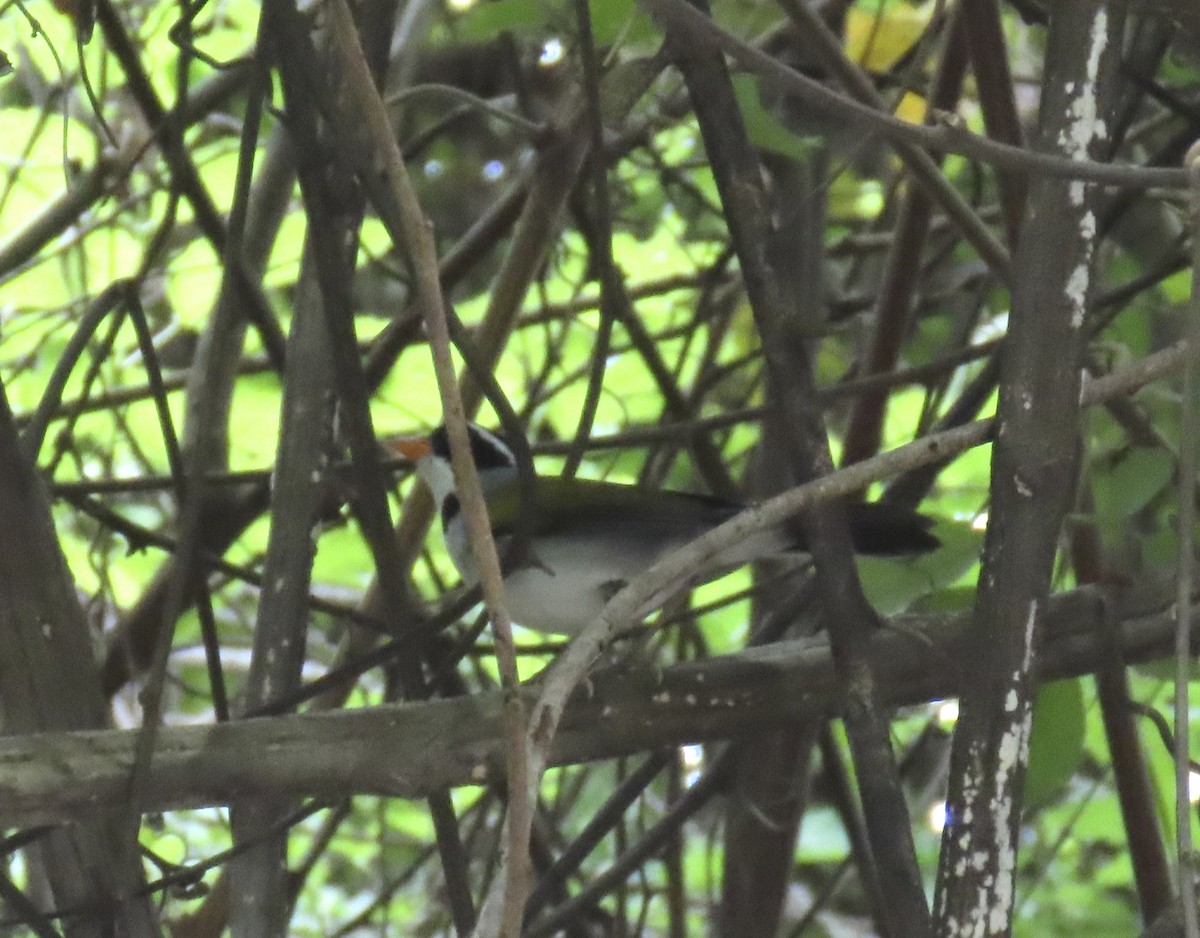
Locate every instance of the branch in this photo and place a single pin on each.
(1035, 464)
(945, 138)
(411, 750)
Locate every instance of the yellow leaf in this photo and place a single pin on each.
(877, 42)
(911, 108)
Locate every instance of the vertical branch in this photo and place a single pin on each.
(260, 887)
(845, 611)
(259, 882)
(602, 219)
(772, 778)
(902, 273)
(208, 423)
(341, 84)
(1187, 563)
(922, 168)
(1143, 830)
(1034, 466)
(993, 77)
(48, 682)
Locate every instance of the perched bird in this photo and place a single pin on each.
(589, 538)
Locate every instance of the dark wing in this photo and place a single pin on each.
(652, 518)
(582, 505)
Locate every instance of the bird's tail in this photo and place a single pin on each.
(880, 529)
(887, 530)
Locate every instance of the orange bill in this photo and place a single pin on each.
(411, 447)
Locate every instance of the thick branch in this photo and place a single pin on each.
(410, 750)
(1035, 462)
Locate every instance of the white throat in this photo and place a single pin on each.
(436, 473)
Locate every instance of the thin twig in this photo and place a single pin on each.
(945, 137)
(472, 100)
(600, 245)
(397, 203)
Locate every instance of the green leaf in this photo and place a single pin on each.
(894, 585)
(1177, 287)
(487, 20)
(1136, 477)
(620, 19)
(623, 87)
(959, 598)
(891, 586)
(764, 129)
(1056, 741)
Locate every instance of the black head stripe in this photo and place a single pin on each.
(487, 450)
(439, 442)
(450, 509)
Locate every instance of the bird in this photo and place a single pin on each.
(588, 538)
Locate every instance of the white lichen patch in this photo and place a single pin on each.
(1009, 752)
(1087, 226)
(1030, 622)
(1084, 124)
(1076, 292)
(992, 860)
(1013, 751)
